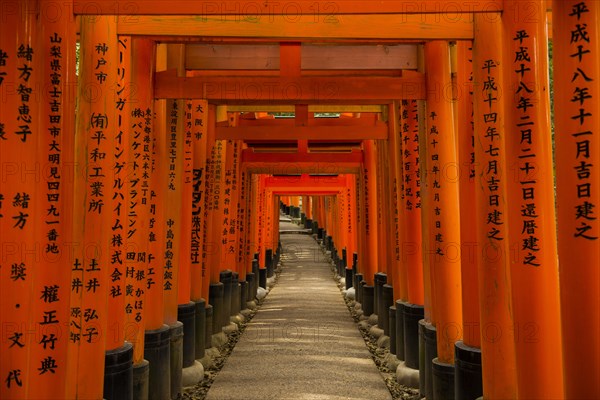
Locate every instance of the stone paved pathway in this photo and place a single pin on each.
(302, 343)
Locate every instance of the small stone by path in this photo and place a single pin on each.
(302, 344)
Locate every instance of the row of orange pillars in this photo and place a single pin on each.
(125, 242)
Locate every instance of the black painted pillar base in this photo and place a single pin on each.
(208, 331)
(400, 338)
(118, 373)
(430, 347)
(250, 280)
(176, 333)
(215, 298)
(226, 278)
(380, 279)
(387, 301)
(262, 278)
(269, 262)
(412, 314)
(443, 380)
(392, 330)
(243, 294)
(358, 279)
(349, 278)
(186, 314)
(235, 294)
(256, 272)
(368, 294)
(200, 329)
(467, 375)
(157, 351)
(141, 380)
(422, 388)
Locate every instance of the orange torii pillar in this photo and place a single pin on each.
(130, 229)
(307, 207)
(496, 319)
(258, 190)
(242, 227)
(268, 234)
(369, 227)
(173, 220)
(198, 125)
(187, 308)
(399, 279)
(276, 237)
(577, 125)
(444, 234)
(215, 163)
(467, 351)
(18, 214)
(304, 210)
(137, 254)
(34, 217)
(52, 125)
(360, 236)
(410, 311)
(173, 227)
(228, 238)
(384, 274)
(95, 134)
(294, 206)
(156, 335)
(250, 263)
(531, 213)
(57, 124)
(427, 334)
(118, 298)
(384, 290)
(352, 252)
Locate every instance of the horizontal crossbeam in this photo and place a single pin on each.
(280, 27)
(325, 8)
(289, 89)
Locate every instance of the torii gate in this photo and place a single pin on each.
(142, 212)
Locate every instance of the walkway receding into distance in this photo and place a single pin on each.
(302, 343)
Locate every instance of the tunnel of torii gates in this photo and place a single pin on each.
(142, 183)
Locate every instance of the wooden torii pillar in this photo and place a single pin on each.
(497, 336)
(444, 231)
(576, 47)
(531, 211)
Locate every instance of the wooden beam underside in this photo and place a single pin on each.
(312, 108)
(273, 133)
(313, 57)
(329, 10)
(365, 120)
(314, 181)
(290, 90)
(353, 158)
(301, 168)
(304, 191)
(279, 27)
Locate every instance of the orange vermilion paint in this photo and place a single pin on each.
(577, 150)
(444, 235)
(531, 213)
(199, 124)
(94, 149)
(411, 254)
(466, 160)
(497, 345)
